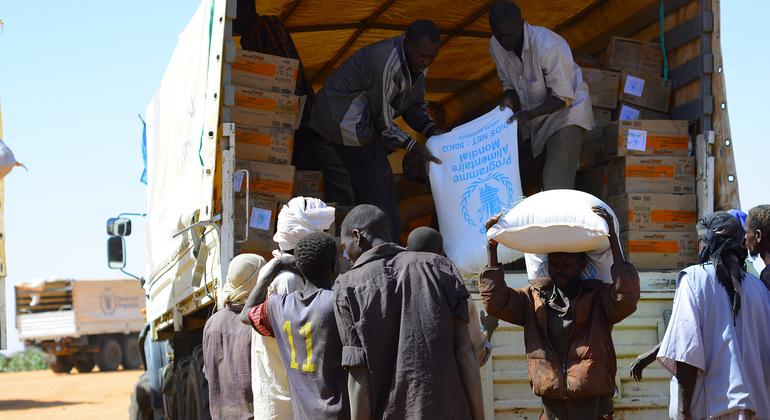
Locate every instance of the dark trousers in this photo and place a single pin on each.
(554, 168)
(372, 179)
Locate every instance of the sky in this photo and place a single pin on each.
(74, 76)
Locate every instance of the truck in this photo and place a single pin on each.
(191, 144)
(82, 323)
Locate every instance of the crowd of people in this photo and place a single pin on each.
(397, 335)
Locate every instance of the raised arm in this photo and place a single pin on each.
(266, 276)
(499, 300)
(620, 300)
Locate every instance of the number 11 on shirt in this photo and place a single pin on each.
(306, 332)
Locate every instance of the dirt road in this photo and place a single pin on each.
(46, 395)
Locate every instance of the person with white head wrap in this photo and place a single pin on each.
(227, 344)
(299, 217)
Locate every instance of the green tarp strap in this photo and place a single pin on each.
(663, 40)
(211, 26)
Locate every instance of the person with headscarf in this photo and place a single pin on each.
(298, 218)
(227, 344)
(719, 331)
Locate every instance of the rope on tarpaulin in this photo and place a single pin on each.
(208, 56)
(662, 20)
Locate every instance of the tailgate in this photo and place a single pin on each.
(46, 325)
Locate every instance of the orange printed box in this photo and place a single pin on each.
(655, 212)
(660, 250)
(647, 138)
(259, 108)
(275, 181)
(263, 71)
(652, 174)
(264, 144)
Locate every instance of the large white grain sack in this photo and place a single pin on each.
(477, 179)
(558, 221)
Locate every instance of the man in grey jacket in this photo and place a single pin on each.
(357, 106)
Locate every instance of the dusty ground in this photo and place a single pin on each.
(46, 395)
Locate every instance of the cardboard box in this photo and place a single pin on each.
(603, 86)
(264, 71)
(260, 108)
(660, 250)
(592, 150)
(602, 117)
(628, 112)
(634, 55)
(647, 91)
(655, 212)
(647, 138)
(652, 174)
(309, 184)
(589, 61)
(264, 144)
(274, 181)
(593, 181)
(259, 219)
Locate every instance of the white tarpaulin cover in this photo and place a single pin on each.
(174, 126)
(477, 179)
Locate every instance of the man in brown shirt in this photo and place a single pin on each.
(403, 320)
(567, 327)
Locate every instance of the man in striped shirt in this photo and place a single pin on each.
(357, 107)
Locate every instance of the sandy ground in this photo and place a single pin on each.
(46, 395)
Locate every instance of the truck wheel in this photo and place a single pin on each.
(84, 363)
(132, 358)
(61, 364)
(109, 357)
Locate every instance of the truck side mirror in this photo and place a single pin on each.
(119, 226)
(116, 252)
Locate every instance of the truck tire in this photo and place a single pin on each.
(140, 406)
(61, 364)
(110, 355)
(132, 357)
(84, 363)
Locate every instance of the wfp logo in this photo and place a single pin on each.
(107, 300)
(486, 197)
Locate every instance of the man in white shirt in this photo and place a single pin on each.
(545, 88)
(718, 336)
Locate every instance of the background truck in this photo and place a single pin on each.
(82, 323)
(192, 141)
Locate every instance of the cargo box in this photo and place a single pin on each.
(263, 71)
(655, 212)
(275, 181)
(647, 138)
(254, 107)
(647, 91)
(628, 112)
(603, 85)
(255, 225)
(634, 55)
(593, 181)
(264, 144)
(660, 250)
(652, 174)
(309, 184)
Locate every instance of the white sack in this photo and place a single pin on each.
(477, 179)
(558, 221)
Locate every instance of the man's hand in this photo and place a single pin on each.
(510, 100)
(492, 221)
(523, 117)
(604, 214)
(436, 131)
(423, 151)
(491, 243)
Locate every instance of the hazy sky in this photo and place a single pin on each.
(74, 76)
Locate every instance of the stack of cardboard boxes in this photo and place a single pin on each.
(643, 170)
(259, 98)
